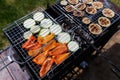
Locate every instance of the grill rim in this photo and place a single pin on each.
(48, 72)
(15, 23)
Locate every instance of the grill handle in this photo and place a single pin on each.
(3, 62)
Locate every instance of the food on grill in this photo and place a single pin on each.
(45, 56)
(35, 29)
(64, 37)
(86, 20)
(27, 35)
(29, 23)
(73, 1)
(33, 46)
(78, 13)
(63, 2)
(69, 8)
(40, 58)
(48, 38)
(62, 48)
(31, 40)
(87, 1)
(39, 39)
(44, 32)
(97, 4)
(34, 52)
(50, 46)
(38, 16)
(56, 29)
(91, 10)
(73, 46)
(95, 28)
(104, 22)
(46, 66)
(46, 23)
(108, 13)
(60, 58)
(81, 6)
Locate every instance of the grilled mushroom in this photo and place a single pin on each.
(81, 6)
(86, 20)
(108, 13)
(103, 21)
(78, 13)
(69, 8)
(63, 2)
(87, 1)
(95, 28)
(97, 4)
(73, 1)
(91, 10)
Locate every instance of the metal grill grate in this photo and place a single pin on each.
(93, 19)
(15, 32)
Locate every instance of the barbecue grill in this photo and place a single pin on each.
(79, 32)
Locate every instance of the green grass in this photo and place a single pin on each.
(116, 2)
(11, 10)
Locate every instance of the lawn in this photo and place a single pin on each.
(117, 2)
(11, 10)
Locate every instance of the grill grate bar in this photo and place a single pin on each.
(16, 37)
(16, 31)
(93, 18)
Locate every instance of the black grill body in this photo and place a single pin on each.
(14, 33)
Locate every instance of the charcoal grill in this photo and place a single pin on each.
(79, 32)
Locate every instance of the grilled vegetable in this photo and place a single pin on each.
(73, 46)
(64, 37)
(58, 44)
(27, 35)
(46, 23)
(60, 58)
(50, 46)
(34, 46)
(48, 38)
(34, 52)
(56, 29)
(35, 29)
(59, 50)
(44, 32)
(38, 16)
(40, 58)
(39, 39)
(29, 42)
(64, 2)
(46, 66)
(29, 23)
(73, 1)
